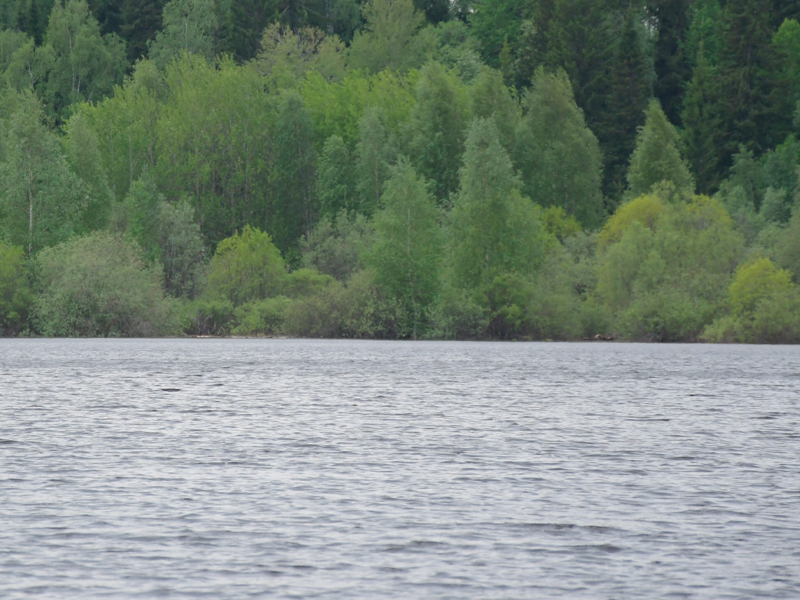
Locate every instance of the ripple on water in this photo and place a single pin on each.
(340, 469)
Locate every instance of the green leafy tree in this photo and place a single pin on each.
(100, 285)
(245, 268)
(492, 99)
(494, 23)
(83, 156)
(15, 293)
(40, 199)
(337, 244)
(189, 27)
(436, 129)
(335, 178)
(392, 38)
(656, 157)
(495, 230)
(286, 55)
(214, 144)
(408, 246)
(376, 151)
(126, 127)
(182, 251)
(558, 156)
(294, 173)
(87, 65)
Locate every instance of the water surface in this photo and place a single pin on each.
(338, 469)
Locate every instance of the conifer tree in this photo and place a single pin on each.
(656, 157)
(747, 83)
(701, 125)
(295, 209)
(671, 68)
(627, 101)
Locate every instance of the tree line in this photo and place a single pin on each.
(505, 169)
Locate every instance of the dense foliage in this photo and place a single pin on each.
(507, 169)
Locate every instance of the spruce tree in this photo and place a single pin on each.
(627, 101)
(701, 125)
(141, 20)
(671, 67)
(748, 96)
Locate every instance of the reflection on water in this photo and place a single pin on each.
(335, 469)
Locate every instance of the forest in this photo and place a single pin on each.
(398, 169)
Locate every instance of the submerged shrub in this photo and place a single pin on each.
(100, 285)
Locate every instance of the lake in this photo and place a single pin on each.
(225, 468)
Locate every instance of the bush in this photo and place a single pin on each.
(207, 317)
(245, 267)
(100, 285)
(764, 307)
(15, 293)
(264, 317)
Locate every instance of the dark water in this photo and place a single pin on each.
(333, 469)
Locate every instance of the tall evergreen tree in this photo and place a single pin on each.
(748, 95)
(140, 21)
(294, 171)
(627, 101)
(701, 125)
(671, 67)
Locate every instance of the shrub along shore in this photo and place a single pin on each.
(400, 170)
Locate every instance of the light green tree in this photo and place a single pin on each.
(436, 129)
(100, 285)
(41, 203)
(393, 38)
(656, 157)
(286, 55)
(375, 152)
(86, 65)
(495, 230)
(84, 158)
(245, 268)
(189, 27)
(294, 173)
(558, 156)
(408, 248)
(491, 98)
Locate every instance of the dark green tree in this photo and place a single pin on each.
(671, 67)
(701, 125)
(627, 101)
(294, 172)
